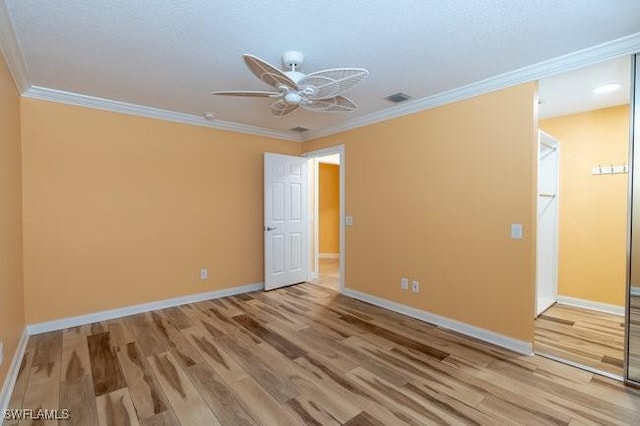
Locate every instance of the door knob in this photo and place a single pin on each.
(269, 228)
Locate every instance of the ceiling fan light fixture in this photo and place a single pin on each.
(293, 98)
(607, 88)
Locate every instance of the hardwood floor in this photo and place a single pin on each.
(591, 338)
(301, 355)
(328, 274)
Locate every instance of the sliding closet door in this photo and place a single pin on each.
(633, 309)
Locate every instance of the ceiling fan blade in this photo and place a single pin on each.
(251, 93)
(335, 104)
(333, 82)
(280, 108)
(268, 73)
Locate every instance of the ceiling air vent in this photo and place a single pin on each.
(398, 97)
(299, 129)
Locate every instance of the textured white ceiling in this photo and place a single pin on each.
(572, 92)
(170, 54)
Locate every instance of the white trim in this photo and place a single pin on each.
(581, 58)
(43, 93)
(314, 275)
(12, 374)
(11, 51)
(591, 55)
(337, 149)
(324, 152)
(63, 323)
(316, 215)
(515, 345)
(555, 146)
(328, 255)
(588, 304)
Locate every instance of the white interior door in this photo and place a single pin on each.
(286, 259)
(547, 232)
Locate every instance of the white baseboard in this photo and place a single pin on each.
(328, 255)
(63, 323)
(588, 304)
(515, 345)
(12, 374)
(313, 276)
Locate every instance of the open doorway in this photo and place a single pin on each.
(581, 269)
(326, 224)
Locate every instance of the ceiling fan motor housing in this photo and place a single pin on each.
(294, 75)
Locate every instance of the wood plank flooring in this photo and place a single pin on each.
(301, 355)
(591, 338)
(328, 274)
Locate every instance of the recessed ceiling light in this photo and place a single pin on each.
(607, 88)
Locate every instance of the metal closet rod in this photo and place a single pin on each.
(548, 145)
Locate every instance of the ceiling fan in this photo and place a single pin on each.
(319, 91)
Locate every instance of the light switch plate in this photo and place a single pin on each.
(349, 220)
(516, 231)
(404, 283)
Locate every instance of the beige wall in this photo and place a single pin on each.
(122, 210)
(12, 319)
(593, 209)
(433, 195)
(329, 207)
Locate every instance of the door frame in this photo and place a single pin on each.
(556, 152)
(634, 137)
(337, 149)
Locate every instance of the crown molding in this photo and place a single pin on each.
(581, 58)
(11, 52)
(589, 56)
(43, 93)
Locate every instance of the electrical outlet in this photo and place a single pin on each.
(404, 283)
(1, 352)
(415, 286)
(204, 273)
